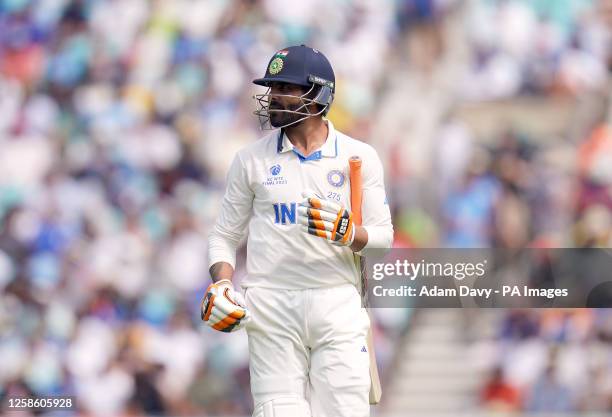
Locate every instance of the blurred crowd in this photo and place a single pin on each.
(118, 120)
(514, 185)
(552, 361)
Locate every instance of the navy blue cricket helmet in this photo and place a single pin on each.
(299, 65)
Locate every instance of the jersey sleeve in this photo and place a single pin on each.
(376, 216)
(236, 210)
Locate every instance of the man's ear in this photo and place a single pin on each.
(314, 108)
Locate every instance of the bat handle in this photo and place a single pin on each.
(356, 191)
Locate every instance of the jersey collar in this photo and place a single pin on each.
(328, 150)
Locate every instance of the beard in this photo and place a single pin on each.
(278, 119)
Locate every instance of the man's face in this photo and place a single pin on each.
(277, 118)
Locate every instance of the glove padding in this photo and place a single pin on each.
(327, 219)
(224, 309)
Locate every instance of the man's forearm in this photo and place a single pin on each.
(221, 270)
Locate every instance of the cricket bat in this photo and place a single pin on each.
(356, 197)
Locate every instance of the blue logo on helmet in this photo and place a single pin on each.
(275, 170)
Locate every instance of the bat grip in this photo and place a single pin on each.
(356, 188)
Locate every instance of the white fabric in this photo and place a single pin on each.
(283, 406)
(281, 255)
(309, 346)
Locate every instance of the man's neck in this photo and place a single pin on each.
(309, 135)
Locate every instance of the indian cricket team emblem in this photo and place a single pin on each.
(275, 66)
(335, 178)
(275, 170)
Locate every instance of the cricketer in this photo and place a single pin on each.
(301, 304)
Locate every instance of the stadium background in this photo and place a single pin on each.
(117, 123)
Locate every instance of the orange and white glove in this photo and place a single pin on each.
(327, 219)
(224, 309)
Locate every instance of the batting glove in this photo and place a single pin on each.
(224, 309)
(327, 219)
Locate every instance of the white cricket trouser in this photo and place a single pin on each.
(308, 352)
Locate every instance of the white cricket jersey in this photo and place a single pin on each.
(264, 188)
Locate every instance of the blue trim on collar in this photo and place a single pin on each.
(336, 145)
(279, 142)
(315, 156)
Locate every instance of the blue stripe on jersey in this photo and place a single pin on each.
(312, 157)
(315, 156)
(279, 144)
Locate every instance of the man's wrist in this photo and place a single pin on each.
(221, 271)
(361, 238)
